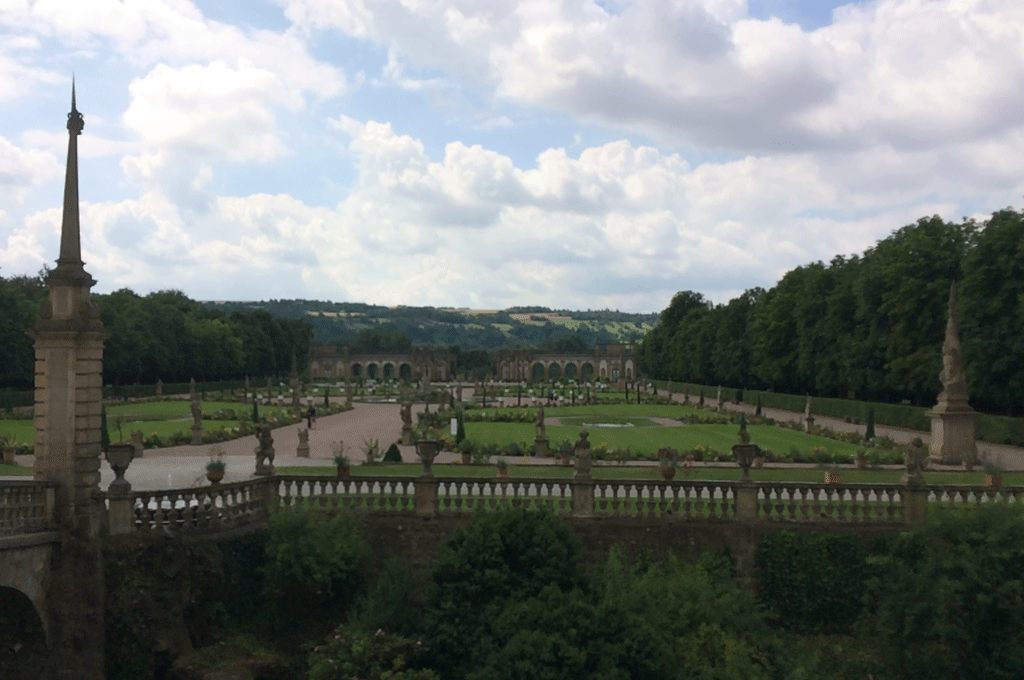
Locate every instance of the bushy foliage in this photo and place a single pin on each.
(314, 571)
(811, 582)
(948, 600)
(353, 653)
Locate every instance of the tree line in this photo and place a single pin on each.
(163, 335)
(869, 325)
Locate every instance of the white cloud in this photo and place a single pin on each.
(899, 72)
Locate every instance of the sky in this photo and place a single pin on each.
(576, 154)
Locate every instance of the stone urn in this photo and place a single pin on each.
(120, 456)
(745, 454)
(668, 472)
(215, 476)
(427, 450)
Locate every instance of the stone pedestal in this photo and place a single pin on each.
(746, 501)
(302, 451)
(953, 435)
(583, 497)
(808, 423)
(915, 504)
(197, 434)
(425, 496)
(407, 439)
(540, 447)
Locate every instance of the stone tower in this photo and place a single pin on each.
(953, 418)
(69, 364)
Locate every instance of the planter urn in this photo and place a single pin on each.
(215, 476)
(427, 450)
(745, 454)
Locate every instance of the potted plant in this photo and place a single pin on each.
(215, 466)
(861, 459)
(565, 452)
(343, 465)
(993, 474)
(466, 451)
(668, 461)
(502, 466)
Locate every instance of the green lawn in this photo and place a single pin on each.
(609, 410)
(161, 417)
(787, 474)
(647, 440)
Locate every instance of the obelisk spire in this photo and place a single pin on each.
(70, 229)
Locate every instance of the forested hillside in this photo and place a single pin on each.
(162, 335)
(870, 324)
(340, 322)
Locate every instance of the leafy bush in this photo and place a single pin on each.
(949, 598)
(314, 568)
(810, 582)
(351, 653)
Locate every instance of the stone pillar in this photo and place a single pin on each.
(915, 504)
(582, 482)
(303, 449)
(746, 501)
(540, 447)
(348, 393)
(425, 496)
(953, 419)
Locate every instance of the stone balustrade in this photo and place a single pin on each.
(219, 508)
(26, 506)
(804, 502)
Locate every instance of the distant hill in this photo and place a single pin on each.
(487, 329)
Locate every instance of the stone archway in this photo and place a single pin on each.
(538, 371)
(389, 371)
(357, 370)
(405, 372)
(570, 371)
(554, 371)
(372, 371)
(587, 371)
(22, 637)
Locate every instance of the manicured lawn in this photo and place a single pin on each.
(787, 474)
(608, 410)
(647, 440)
(593, 420)
(15, 470)
(21, 431)
(161, 417)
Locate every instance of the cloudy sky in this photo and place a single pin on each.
(486, 153)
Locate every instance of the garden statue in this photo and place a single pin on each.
(581, 450)
(916, 459)
(197, 422)
(407, 435)
(159, 388)
(191, 389)
(539, 422)
(264, 451)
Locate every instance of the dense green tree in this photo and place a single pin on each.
(992, 314)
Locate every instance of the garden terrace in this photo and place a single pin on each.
(243, 506)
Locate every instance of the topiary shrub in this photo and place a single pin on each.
(393, 455)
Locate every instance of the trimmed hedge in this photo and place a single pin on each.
(991, 428)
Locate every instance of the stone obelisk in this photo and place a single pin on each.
(69, 366)
(953, 418)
